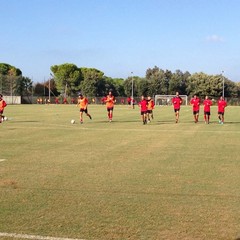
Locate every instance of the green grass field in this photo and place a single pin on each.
(119, 180)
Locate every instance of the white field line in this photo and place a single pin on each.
(2, 160)
(37, 237)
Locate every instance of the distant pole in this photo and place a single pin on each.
(49, 87)
(132, 90)
(223, 83)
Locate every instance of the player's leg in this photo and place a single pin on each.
(197, 115)
(142, 116)
(86, 112)
(176, 116)
(108, 110)
(222, 118)
(194, 117)
(219, 117)
(145, 118)
(81, 116)
(111, 114)
(148, 116)
(205, 117)
(1, 116)
(208, 117)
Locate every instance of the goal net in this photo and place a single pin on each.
(166, 100)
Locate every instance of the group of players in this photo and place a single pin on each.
(146, 107)
(146, 104)
(195, 102)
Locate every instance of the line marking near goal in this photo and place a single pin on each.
(37, 237)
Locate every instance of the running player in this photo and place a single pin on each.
(207, 103)
(110, 100)
(3, 104)
(176, 101)
(150, 107)
(143, 109)
(195, 102)
(83, 104)
(221, 109)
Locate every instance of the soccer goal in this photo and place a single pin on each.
(166, 100)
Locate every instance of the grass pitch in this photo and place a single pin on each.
(119, 180)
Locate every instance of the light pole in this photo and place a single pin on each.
(132, 90)
(49, 87)
(223, 83)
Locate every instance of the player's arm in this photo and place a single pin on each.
(180, 100)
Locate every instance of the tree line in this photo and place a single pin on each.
(67, 79)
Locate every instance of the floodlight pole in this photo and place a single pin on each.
(223, 83)
(132, 90)
(49, 86)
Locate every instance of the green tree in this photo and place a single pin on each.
(40, 89)
(142, 87)
(129, 83)
(159, 80)
(24, 86)
(116, 85)
(178, 82)
(67, 77)
(9, 77)
(93, 79)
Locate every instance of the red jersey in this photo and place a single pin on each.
(176, 101)
(2, 105)
(195, 102)
(207, 103)
(143, 104)
(221, 105)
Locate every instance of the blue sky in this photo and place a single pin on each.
(121, 36)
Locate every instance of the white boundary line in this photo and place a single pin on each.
(2, 160)
(37, 237)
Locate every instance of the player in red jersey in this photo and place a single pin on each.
(150, 107)
(110, 100)
(177, 101)
(221, 109)
(207, 103)
(3, 104)
(195, 102)
(143, 105)
(83, 104)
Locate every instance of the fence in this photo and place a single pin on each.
(95, 100)
(12, 99)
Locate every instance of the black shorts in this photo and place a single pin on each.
(207, 113)
(84, 110)
(1, 111)
(149, 111)
(176, 109)
(195, 112)
(221, 113)
(110, 109)
(143, 112)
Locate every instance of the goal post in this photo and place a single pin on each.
(166, 100)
